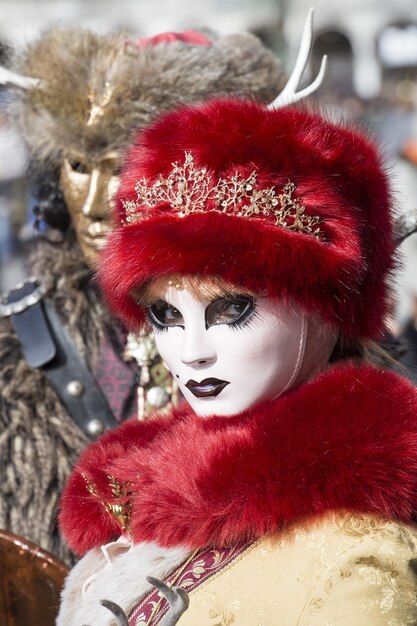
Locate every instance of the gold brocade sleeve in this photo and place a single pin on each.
(372, 583)
(341, 570)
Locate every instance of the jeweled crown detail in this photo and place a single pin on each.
(189, 189)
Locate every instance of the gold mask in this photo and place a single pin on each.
(88, 190)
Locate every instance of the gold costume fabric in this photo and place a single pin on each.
(344, 570)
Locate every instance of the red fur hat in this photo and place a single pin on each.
(282, 201)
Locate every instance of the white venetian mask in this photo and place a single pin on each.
(229, 353)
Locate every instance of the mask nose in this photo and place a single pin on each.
(95, 205)
(197, 350)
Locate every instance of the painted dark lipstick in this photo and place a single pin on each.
(209, 387)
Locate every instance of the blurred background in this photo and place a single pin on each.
(372, 76)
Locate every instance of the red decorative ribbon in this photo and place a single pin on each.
(203, 566)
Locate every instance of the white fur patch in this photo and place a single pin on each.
(123, 582)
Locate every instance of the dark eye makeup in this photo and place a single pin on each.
(163, 315)
(78, 166)
(233, 311)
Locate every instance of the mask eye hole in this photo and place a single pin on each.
(233, 311)
(78, 166)
(161, 314)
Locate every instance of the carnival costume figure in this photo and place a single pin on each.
(257, 242)
(79, 96)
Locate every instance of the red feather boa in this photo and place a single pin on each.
(347, 440)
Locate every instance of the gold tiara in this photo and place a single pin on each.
(189, 189)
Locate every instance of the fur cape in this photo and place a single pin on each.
(346, 440)
(39, 440)
(339, 179)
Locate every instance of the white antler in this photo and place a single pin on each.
(289, 94)
(11, 79)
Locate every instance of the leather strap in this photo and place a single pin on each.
(46, 344)
(30, 326)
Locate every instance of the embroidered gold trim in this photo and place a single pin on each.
(188, 189)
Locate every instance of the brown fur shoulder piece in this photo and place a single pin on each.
(39, 441)
(86, 77)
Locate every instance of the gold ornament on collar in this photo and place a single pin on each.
(188, 189)
(120, 507)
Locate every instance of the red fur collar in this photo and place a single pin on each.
(346, 440)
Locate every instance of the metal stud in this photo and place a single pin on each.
(75, 388)
(95, 427)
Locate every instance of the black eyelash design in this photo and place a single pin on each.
(246, 318)
(157, 327)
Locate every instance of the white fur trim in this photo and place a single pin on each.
(124, 582)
